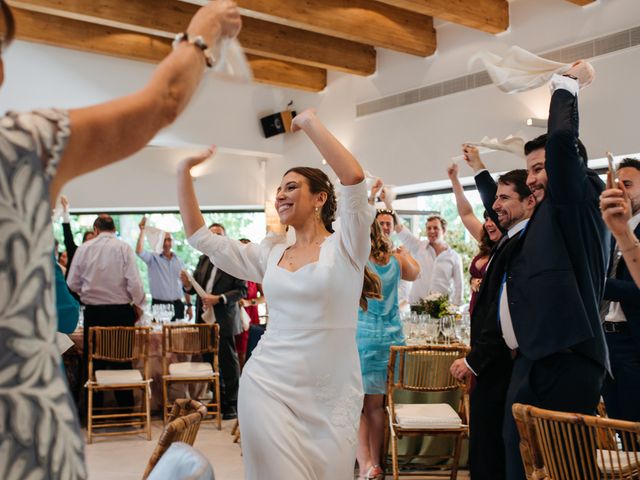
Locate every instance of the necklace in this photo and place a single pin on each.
(290, 256)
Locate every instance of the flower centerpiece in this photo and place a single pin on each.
(435, 304)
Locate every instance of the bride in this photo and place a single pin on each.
(301, 392)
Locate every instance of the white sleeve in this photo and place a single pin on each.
(244, 261)
(410, 241)
(456, 298)
(565, 83)
(356, 217)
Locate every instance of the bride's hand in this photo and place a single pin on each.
(302, 118)
(190, 162)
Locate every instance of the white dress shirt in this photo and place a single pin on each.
(505, 315)
(615, 313)
(438, 273)
(104, 272)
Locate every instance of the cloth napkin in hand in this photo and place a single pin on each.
(519, 70)
(512, 144)
(232, 62)
(208, 315)
(155, 237)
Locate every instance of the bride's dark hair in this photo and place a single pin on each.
(318, 182)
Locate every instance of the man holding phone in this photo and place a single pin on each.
(620, 310)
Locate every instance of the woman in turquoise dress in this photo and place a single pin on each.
(379, 327)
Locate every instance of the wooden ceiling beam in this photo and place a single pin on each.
(89, 37)
(491, 16)
(363, 21)
(165, 18)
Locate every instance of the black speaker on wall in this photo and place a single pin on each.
(277, 123)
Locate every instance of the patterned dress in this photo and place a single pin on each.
(39, 430)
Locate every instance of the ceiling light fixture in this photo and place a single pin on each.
(536, 122)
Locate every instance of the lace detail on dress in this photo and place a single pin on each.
(343, 402)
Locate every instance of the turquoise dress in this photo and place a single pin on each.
(379, 328)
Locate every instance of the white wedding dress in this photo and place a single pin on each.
(301, 392)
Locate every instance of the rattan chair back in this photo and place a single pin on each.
(571, 446)
(424, 368)
(186, 416)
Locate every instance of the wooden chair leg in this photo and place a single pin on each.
(394, 457)
(236, 425)
(456, 456)
(90, 415)
(147, 403)
(165, 399)
(218, 406)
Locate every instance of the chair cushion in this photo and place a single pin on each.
(427, 415)
(190, 369)
(118, 377)
(612, 462)
(182, 462)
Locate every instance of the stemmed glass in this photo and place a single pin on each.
(431, 330)
(448, 327)
(163, 313)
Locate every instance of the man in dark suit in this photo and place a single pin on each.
(490, 358)
(554, 280)
(224, 293)
(621, 315)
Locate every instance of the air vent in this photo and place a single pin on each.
(592, 48)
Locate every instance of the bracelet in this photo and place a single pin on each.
(198, 42)
(635, 245)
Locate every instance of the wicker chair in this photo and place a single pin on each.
(195, 340)
(570, 446)
(118, 344)
(184, 423)
(425, 369)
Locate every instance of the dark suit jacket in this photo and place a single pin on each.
(227, 314)
(556, 275)
(489, 354)
(623, 289)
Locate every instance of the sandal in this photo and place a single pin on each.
(375, 472)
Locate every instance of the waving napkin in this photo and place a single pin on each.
(512, 144)
(155, 237)
(232, 61)
(519, 70)
(208, 315)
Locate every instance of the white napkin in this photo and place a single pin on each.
(208, 315)
(512, 144)
(232, 62)
(519, 70)
(155, 237)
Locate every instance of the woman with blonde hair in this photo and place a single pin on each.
(301, 391)
(379, 327)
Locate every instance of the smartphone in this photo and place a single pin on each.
(612, 169)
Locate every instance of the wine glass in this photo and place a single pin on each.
(431, 330)
(447, 324)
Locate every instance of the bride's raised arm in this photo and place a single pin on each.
(244, 261)
(337, 156)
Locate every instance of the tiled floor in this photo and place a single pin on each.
(125, 458)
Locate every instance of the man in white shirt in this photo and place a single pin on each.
(105, 275)
(621, 315)
(440, 265)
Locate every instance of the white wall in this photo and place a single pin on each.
(406, 145)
